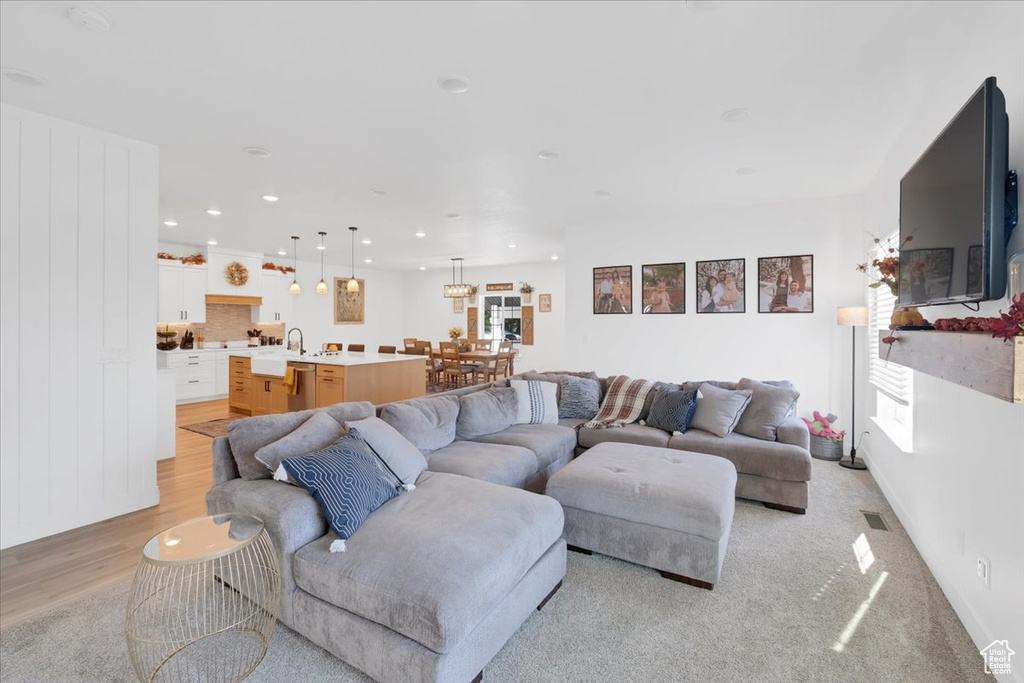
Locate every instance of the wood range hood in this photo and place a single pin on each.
(234, 300)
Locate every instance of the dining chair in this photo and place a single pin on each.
(505, 351)
(482, 345)
(497, 367)
(387, 349)
(455, 371)
(409, 342)
(357, 347)
(331, 347)
(434, 366)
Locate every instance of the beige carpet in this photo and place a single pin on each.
(785, 610)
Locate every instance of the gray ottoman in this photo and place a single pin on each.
(659, 507)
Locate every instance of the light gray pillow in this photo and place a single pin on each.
(580, 397)
(769, 406)
(485, 412)
(316, 433)
(429, 423)
(404, 459)
(346, 412)
(719, 410)
(253, 433)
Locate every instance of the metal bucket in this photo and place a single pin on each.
(824, 448)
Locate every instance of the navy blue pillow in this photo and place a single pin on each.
(346, 482)
(672, 410)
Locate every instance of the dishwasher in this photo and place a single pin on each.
(305, 399)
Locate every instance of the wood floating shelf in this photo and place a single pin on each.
(234, 299)
(975, 360)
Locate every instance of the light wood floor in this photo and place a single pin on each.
(43, 574)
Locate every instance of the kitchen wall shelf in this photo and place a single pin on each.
(972, 359)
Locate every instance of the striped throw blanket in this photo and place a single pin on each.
(622, 403)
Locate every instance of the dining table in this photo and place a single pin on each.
(476, 356)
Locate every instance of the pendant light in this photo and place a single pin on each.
(321, 287)
(457, 289)
(353, 283)
(294, 287)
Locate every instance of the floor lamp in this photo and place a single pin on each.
(854, 317)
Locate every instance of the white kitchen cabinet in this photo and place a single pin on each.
(277, 302)
(221, 372)
(181, 293)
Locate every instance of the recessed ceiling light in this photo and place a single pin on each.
(423, 267)
(270, 198)
(22, 77)
(420, 233)
(171, 224)
(549, 154)
(379, 192)
(367, 241)
(89, 17)
(367, 260)
(555, 257)
(735, 115)
(602, 193)
(511, 246)
(282, 252)
(321, 247)
(454, 215)
(453, 84)
(212, 243)
(261, 152)
(746, 170)
(213, 212)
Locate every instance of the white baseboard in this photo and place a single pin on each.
(981, 635)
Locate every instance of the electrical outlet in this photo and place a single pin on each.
(984, 571)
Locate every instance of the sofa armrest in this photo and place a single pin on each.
(292, 518)
(793, 431)
(224, 466)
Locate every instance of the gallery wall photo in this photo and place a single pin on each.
(785, 284)
(613, 289)
(721, 286)
(664, 288)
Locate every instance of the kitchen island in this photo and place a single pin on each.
(257, 382)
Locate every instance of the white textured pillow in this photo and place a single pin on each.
(536, 402)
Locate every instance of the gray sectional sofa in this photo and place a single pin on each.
(438, 579)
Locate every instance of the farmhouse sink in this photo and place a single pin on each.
(272, 365)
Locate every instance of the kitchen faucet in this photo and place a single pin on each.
(302, 348)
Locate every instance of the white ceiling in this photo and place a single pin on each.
(345, 96)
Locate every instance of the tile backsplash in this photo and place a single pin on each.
(227, 322)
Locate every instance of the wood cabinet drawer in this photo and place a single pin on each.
(243, 385)
(241, 362)
(240, 372)
(330, 371)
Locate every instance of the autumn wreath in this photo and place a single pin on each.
(236, 273)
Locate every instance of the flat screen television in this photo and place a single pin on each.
(952, 203)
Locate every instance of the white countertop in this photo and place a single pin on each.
(241, 351)
(343, 359)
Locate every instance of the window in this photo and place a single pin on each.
(894, 382)
(501, 319)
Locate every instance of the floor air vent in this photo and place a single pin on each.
(875, 520)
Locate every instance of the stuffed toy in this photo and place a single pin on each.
(822, 426)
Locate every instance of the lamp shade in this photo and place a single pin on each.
(857, 316)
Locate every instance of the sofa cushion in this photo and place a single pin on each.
(346, 481)
(631, 433)
(769, 406)
(537, 401)
(248, 435)
(570, 422)
(404, 459)
(319, 431)
(770, 459)
(429, 423)
(548, 442)
(672, 411)
(399, 570)
(496, 463)
(719, 410)
(485, 412)
(578, 397)
(346, 412)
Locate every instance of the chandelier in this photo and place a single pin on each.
(457, 290)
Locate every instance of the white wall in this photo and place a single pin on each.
(807, 349)
(78, 223)
(428, 315)
(961, 492)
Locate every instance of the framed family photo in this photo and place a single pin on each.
(349, 307)
(613, 289)
(721, 286)
(785, 284)
(664, 288)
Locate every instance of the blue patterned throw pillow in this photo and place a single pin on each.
(672, 410)
(347, 483)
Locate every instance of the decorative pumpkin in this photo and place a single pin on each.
(236, 273)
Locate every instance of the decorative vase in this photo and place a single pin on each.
(527, 297)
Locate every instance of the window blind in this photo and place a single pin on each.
(892, 379)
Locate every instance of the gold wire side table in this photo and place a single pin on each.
(204, 601)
